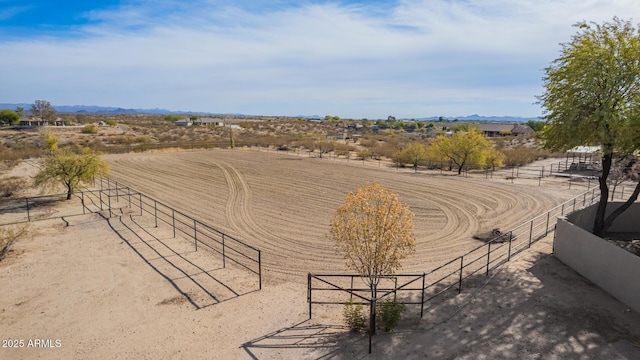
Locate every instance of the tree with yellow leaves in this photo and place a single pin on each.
(462, 148)
(374, 232)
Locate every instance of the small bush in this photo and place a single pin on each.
(522, 155)
(89, 129)
(12, 186)
(9, 235)
(388, 313)
(354, 316)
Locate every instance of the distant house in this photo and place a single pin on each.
(184, 122)
(33, 122)
(209, 121)
(494, 130)
(200, 121)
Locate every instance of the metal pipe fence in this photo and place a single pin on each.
(113, 196)
(420, 289)
(228, 247)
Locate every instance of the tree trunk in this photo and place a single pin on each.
(599, 223)
(69, 191)
(609, 220)
(372, 311)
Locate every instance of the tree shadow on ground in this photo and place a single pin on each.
(304, 335)
(536, 309)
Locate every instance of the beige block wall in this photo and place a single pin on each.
(610, 267)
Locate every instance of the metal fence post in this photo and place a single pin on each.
(82, 200)
(28, 215)
(488, 257)
(422, 297)
(460, 278)
(195, 233)
(173, 219)
(510, 240)
(224, 257)
(259, 269)
(100, 193)
(309, 293)
(109, 200)
(117, 197)
(546, 231)
(129, 193)
(140, 198)
(155, 211)
(351, 288)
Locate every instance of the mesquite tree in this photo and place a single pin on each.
(592, 97)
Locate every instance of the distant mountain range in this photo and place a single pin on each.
(91, 109)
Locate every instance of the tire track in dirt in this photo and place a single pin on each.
(239, 214)
(284, 206)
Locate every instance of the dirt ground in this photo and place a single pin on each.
(283, 203)
(121, 289)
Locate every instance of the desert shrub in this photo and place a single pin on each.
(9, 235)
(110, 122)
(171, 118)
(144, 139)
(363, 154)
(354, 316)
(343, 149)
(388, 313)
(12, 186)
(89, 129)
(522, 155)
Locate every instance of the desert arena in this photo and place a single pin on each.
(283, 203)
(96, 290)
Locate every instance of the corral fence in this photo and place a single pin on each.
(36, 208)
(420, 289)
(569, 168)
(228, 247)
(564, 168)
(116, 198)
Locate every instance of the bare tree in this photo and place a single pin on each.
(43, 110)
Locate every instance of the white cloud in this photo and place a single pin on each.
(415, 59)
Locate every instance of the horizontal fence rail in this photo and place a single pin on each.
(113, 196)
(228, 247)
(419, 289)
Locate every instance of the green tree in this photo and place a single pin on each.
(9, 117)
(63, 166)
(535, 125)
(20, 111)
(462, 148)
(373, 230)
(43, 110)
(415, 154)
(592, 97)
(466, 127)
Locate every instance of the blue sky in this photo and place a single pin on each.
(353, 59)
